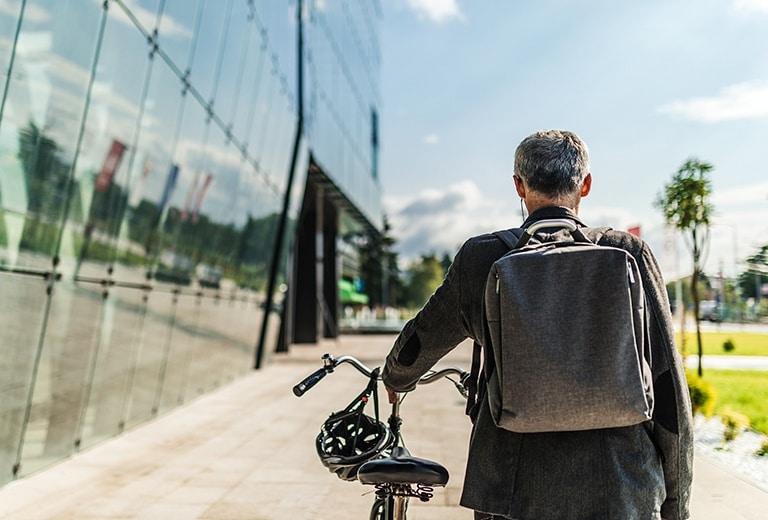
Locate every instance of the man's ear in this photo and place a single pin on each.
(519, 186)
(586, 186)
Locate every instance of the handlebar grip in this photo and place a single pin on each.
(310, 381)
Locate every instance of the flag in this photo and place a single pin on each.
(108, 169)
(138, 189)
(170, 184)
(199, 201)
(190, 196)
(634, 230)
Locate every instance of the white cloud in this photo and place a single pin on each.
(431, 139)
(740, 196)
(31, 12)
(440, 220)
(169, 27)
(741, 101)
(436, 10)
(751, 6)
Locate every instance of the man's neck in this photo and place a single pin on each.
(549, 203)
(549, 212)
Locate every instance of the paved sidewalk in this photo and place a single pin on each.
(247, 452)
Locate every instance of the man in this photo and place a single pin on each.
(633, 472)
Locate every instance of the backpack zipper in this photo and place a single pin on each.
(498, 283)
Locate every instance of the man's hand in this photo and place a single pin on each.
(391, 394)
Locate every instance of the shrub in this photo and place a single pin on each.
(729, 345)
(734, 423)
(703, 396)
(763, 450)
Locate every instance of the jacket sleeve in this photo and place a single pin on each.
(435, 330)
(672, 408)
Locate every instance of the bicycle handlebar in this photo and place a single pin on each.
(330, 363)
(309, 381)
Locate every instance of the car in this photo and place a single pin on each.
(708, 310)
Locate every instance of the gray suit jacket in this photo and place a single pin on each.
(625, 473)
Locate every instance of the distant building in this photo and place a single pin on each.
(175, 181)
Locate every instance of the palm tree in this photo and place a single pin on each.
(686, 206)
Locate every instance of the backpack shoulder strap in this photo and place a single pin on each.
(508, 237)
(476, 380)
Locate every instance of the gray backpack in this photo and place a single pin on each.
(568, 335)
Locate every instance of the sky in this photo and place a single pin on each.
(647, 85)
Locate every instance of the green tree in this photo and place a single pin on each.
(446, 261)
(378, 265)
(47, 177)
(423, 276)
(756, 274)
(686, 206)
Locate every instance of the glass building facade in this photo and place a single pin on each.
(172, 174)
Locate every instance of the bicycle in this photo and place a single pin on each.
(356, 446)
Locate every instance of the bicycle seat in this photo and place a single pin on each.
(401, 468)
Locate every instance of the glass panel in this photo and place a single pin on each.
(276, 160)
(178, 356)
(69, 345)
(123, 315)
(143, 11)
(241, 118)
(341, 90)
(203, 370)
(263, 108)
(233, 352)
(154, 174)
(9, 18)
(244, 316)
(176, 30)
(230, 64)
(182, 233)
(146, 380)
(207, 47)
(22, 308)
(260, 206)
(41, 124)
(106, 152)
(219, 354)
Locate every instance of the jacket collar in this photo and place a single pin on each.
(552, 212)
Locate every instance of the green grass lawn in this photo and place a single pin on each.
(747, 344)
(743, 391)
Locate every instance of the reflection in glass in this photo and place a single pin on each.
(144, 150)
(114, 364)
(207, 45)
(41, 123)
(69, 340)
(178, 351)
(176, 31)
(229, 63)
(146, 377)
(22, 309)
(103, 169)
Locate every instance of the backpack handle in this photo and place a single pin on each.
(562, 223)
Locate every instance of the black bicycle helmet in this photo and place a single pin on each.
(349, 438)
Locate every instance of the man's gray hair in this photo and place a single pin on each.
(552, 162)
